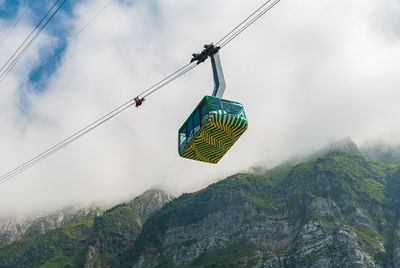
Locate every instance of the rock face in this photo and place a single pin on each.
(345, 145)
(382, 152)
(115, 233)
(12, 229)
(396, 254)
(91, 258)
(337, 209)
(81, 238)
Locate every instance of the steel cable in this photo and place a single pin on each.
(155, 87)
(17, 22)
(20, 55)
(13, 94)
(268, 8)
(9, 175)
(240, 24)
(16, 56)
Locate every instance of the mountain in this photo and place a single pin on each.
(114, 233)
(87, 240)
(13, 229)
(336, 208)
(379, 151)
(340, 209)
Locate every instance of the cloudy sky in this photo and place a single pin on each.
(308, 72)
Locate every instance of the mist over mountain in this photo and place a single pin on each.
(307, 73)
(338, 207)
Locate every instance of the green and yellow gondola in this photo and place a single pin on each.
(211, 130)
(216, 123)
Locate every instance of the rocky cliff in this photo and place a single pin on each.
(13, 229)
(337, 208)
(83, 238)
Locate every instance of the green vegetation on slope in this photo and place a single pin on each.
(62, 247)
(190, 208)
(129, 230)
(112, 233)
(240, 254)
(288, 189)
(337, 174)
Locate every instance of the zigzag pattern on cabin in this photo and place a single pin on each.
(216, 137)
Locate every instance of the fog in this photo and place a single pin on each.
(309, 72)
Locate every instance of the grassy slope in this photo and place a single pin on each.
(112, 233)
(372, 186)
(62, 247)
(281, 188)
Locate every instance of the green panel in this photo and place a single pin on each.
(207, 99)
(216, 137)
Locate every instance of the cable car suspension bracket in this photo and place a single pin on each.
(208, 51)
(219, 81)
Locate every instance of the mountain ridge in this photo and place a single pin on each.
(339, 207)
(75, 244)
(341, 194)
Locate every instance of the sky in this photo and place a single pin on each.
(309, 72)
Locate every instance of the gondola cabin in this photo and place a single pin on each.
(211, 130)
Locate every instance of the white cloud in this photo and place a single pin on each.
(308, 72)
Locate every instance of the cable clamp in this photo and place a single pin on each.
(138, 101)
(208, 51)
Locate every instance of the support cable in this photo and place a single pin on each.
(240, 24)
(17, 55)
(66, 44)
(248, 24)
(9, 175)
(137, 101)
(17, 22)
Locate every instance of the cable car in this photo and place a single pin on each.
(216, 123)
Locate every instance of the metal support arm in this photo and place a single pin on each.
(218, 74)
(219, 80)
